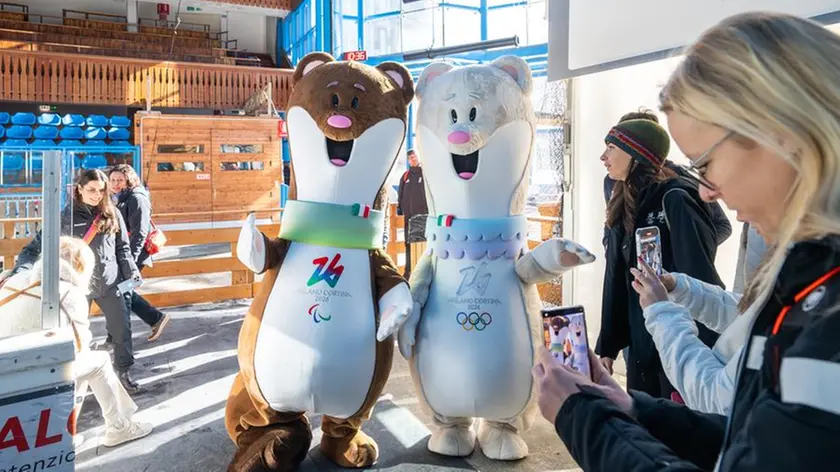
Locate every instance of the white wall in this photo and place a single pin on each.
(248, 29)
(271, 37)
(598, 102)
(54, 7)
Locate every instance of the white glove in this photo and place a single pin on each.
(408, 332)
(250, 247)
(551, 259)
(394, 309)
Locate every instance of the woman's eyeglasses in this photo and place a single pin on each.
(697, 169)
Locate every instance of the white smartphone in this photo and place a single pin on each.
(128, 285)
(649, 247)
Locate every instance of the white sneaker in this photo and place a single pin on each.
(135, 430)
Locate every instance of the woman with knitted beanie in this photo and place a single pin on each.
(648, 193)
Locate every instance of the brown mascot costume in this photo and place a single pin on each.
(318, 339)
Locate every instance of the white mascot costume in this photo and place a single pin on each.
(476, 319)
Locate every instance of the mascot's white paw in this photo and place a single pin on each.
(406, 338)
(454, 441)
(551, 259)
(395, 307)
(250, 247)
(499, 441)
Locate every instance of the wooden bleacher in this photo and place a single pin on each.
(82, 32)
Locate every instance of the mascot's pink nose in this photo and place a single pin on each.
(459, 137)
(339, 121)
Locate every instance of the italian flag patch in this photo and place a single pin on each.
(445, 220)
(361, 210)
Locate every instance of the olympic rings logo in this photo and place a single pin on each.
(474, 320)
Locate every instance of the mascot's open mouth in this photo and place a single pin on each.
(465, 165)
(339, 151)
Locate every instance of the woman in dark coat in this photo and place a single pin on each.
(92, 209)
(647, 194)
(133, 202)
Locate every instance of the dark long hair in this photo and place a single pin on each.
(622, 208)
(131, 178)
(108, 223)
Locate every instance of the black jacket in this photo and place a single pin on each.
(688, 247)
(136, 209)
(113, 257)
(720, 222)
(786, 411)
(412, 194)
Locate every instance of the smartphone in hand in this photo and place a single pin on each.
(649, 247)
(566, 337)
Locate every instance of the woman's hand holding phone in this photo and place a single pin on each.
(650, 287)
(558, 382)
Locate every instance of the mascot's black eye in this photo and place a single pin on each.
(335, 101)
(355, 103)
(454, 116)
(472, 114)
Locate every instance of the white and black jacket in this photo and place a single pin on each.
(786, 408)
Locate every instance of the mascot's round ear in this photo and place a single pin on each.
(518, 69)
(400, 77)
(429, 74)
(309, 62)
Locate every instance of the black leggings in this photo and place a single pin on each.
(118, 325)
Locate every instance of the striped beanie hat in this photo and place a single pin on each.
(644, 140)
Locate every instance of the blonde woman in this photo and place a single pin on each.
(755, 106)
(20, 308)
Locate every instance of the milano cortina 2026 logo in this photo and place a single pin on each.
(330, 274)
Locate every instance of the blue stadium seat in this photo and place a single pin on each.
(43, 143)
(49, 119)
(2, 131)
(73, 120)
(119, 133)
(120, 143)
(23, 118)
(19, 132)
(70, 143)
(12, 163)
(4, 118)
(46, 132)
(16, 143)
(120, 122)
(95, 133)
(72, 133)
(98, 121)
(94, 161)
(37, 161)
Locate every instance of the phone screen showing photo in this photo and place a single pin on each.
(566, 338)
(649, 247)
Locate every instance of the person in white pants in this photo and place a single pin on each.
(20, 299)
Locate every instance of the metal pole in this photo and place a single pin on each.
(51, 232)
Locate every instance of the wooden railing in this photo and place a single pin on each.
(242, 281)
(274, 4)
(69, 78)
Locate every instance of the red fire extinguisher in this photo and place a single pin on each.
(163, 11)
